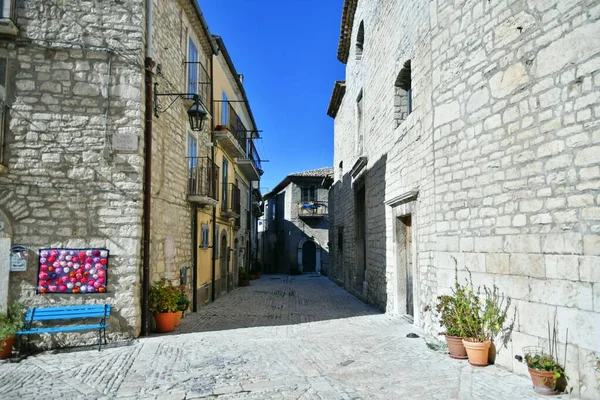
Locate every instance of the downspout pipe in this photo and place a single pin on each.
(148, 65)
(212, 151)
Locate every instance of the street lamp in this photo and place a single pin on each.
(196, 113)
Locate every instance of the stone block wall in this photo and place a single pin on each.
(502, 148)
(58, 189)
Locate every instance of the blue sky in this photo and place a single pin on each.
(287, 53)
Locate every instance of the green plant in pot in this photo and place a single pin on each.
(10, 322)
(163, 304)
(449, 311)
(484, 322)
(182, 304)
(547, 374)
(244, 277)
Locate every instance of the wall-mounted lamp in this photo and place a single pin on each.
(197, 112)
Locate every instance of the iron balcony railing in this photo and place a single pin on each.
(232, 204)
(253, 156)
(227, 118)
(312, 209)
(203, 177)
(202, 85)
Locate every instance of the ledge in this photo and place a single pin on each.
(403, 198)
(359, 165)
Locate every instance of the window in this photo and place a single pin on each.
(360, 41)
(340, 238)
(3, 107)
(204, 242)
(216, 244)
(359, 124)
(192, 67)
(192, 151)
(309, 193)
(224, 192)
(341, 170)
(225, 108)
(403, 94)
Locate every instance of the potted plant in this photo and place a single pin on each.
(244, 277)
(547, 374)
(163, 304)
(10, 323)
(182, 304)
(449, 309)
(484, 320)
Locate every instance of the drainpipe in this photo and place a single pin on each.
(194, 258)
(212, 151)
(147, 173)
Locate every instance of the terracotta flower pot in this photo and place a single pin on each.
(456, 348)
(244, 282)
(178, 316)
(478, 352)
(7, 345)
(543, 382)
(165, 322)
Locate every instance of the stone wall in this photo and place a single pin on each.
(59, 190)
(502, 148)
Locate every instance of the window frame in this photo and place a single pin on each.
(193, 67)
(205, 235)
(309, 196)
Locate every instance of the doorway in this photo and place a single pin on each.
(309, 256)
(361, 239)
(404, 246)
(224, 262)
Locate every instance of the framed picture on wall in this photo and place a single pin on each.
(72, 271)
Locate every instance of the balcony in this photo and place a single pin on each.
(231, 204)
(230, 132)
(312, 209)
(203, 181)
(250, 164)
(8, 29)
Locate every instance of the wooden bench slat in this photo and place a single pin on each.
(69, 328)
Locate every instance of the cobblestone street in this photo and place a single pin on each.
(281, 338)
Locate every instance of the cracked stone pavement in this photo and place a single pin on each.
(283, 337)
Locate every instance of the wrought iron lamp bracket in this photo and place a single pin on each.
(159, 108)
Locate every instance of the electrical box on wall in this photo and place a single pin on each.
(19, 256)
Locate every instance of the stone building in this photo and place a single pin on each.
(467, 135)
(78, 95)
(227, 218)
(295, 227)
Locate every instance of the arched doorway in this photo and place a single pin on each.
(309, 256)
(224, 261)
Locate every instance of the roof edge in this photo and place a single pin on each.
(339, 90)
(346, 30)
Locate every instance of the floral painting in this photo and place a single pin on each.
(72, 271)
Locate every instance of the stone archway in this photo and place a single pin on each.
(302, 246)
(6, 235)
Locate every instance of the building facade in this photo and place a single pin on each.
(82, 86)
(227, 218)
(295, 228)
(466, 136)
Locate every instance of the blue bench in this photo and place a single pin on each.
(101, 311)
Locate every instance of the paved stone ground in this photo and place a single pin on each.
(281, 338)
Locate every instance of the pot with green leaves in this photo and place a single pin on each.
(163, 304)
(485, 318)
(10, 322)
(449, 309)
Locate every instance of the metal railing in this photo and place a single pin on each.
(227, 118)
(203, 177)
(253, 155)
(202, 87)
(312, 208)
(232, 204)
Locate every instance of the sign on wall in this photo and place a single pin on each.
(18, 258)
(72, 271)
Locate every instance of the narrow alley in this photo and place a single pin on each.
(288, 337)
